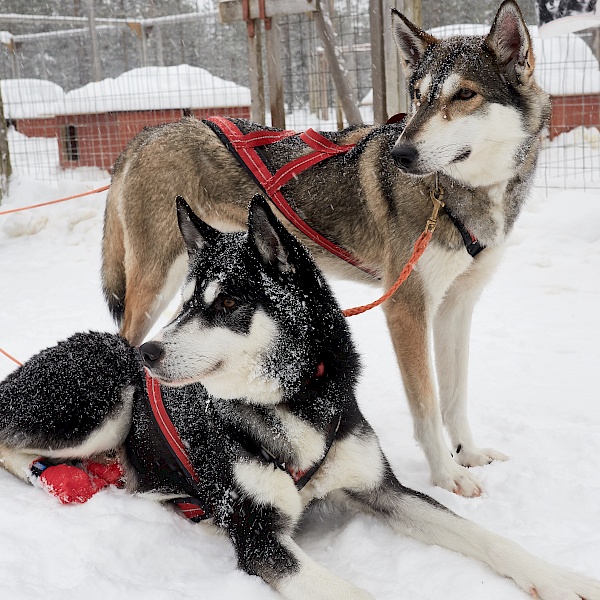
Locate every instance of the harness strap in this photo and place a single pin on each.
(166, 426)
(179, 461)
(242, 146)
(472, 244)
(301, 478)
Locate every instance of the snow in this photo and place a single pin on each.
(534, 394)
(145, 88)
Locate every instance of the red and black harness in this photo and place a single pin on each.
(244, 147)
(177, 460)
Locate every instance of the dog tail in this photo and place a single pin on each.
(113, 261)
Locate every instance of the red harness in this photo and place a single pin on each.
(190, 507)
(243, 146)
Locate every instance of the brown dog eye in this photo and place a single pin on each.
(465, 94)
(228, 303)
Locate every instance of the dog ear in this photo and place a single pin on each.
(410, 41)
(509, 40)
(268, 236)
(196, 233)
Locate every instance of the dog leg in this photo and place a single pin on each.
(411, 342)
(419, 516)
(260, 523)
(451, 333)
(17, 463)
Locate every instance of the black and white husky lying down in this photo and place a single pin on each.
(257, 397)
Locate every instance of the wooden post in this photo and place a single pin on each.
(378, 75)
(257, 79)
(160, 60)
(96, 64)
(5, 166)
(253, 12)
(275, 73)
(395, 82)
(336, 65)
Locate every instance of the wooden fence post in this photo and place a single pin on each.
(378, 74)
(257, 79)
(5, 166)
(96, 64)
(275, 73)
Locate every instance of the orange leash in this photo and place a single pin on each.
(15, 210)
(9, 356)
(420, 246)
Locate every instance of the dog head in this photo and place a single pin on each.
(475, 102)
(257, 316)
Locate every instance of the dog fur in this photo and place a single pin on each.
(258, 313)
(476, 120)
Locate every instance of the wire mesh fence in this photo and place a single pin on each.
(176, 62)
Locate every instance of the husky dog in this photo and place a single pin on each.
(476, 120)
(275, 427)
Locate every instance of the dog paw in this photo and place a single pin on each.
(459, 481)
(565, 585)
(477, 457)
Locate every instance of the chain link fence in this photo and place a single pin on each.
(157, 69)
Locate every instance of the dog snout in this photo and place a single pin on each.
(151, 353)
(405, 156)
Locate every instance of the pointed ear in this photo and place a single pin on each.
(268, 236)
(196, 233)
(509, 40)
(410, 41)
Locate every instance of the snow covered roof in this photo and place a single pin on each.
(26, 98)
(146, 88)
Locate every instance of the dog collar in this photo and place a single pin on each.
(472, 244)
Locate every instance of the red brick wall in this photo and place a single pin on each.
(102, 137)
(569, 112)
(37, 127)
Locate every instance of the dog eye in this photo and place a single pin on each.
(225, 303)
(464, 94)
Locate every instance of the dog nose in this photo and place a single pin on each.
(405, 155)
(151, 353)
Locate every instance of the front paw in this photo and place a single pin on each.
(477, 457)
(458, 480)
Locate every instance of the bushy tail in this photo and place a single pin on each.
(113, 263)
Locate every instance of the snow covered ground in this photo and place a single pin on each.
(534, 395)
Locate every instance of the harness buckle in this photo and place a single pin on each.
(436, 196)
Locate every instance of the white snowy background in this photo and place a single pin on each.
(534, 391)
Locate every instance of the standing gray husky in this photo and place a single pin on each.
(275, 427)
(475, 126)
